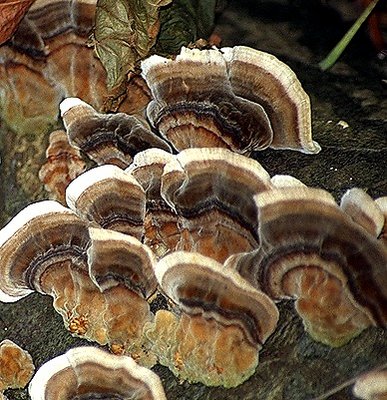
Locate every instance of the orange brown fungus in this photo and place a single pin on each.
(92, 373)
(263, 79)
(311, 251)
(43, 249)
(122, 268)
(107, 138)
(48, 59)
(238, 98)
(194, 106)
(221, 324)
(212, 190)
(161, 231)
(64, 163)
(16, 366)
(109, 197)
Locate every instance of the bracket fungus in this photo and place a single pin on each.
(190, 111)
(311, 251)
(161, 232)
(371, 385)
(262, 78)
(110, 197)
(363, 210)
(211, 190)
(248, 101)
(107, 138)
(122, 268)
(43, 249)
(92, 373)
(223, 321)
(16, 366)
(64, 163)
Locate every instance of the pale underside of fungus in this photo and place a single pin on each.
(16, 366)
(91, 373)
(313, 252)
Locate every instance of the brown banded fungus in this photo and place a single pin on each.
(194, 105)
(48, 59)
(16, 366)
(311, 251)
(211, 190)
(107, 138)
(363, 210)
(223, 321)
(371, 385)
(64, 163)
(122, 269)
(91, 373)
(263, 79)
(161, 232)
(43, 249)
(239, 98)
(382, 204)
(110, 197)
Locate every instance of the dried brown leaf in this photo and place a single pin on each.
(11, 13)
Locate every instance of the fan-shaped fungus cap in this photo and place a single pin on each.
(89, 372)
(39, 238)
(222, 321)
(161, 232)
(107, 138)
(260, 77)
(16, 366)
(193, 104)
(115, 258)
(110, 197)
(213, 189)
(200, 285)
(371, 385)
(312, 251)
(363, 210)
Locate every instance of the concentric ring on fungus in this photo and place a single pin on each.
(313, 252)
(220, 325)
(91, 373)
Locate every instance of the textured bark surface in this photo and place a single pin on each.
(292, 366)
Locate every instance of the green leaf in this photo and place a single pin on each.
(125, 30)
(184, 22)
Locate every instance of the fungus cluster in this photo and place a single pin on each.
(93, 259)
(177, 208)
(312, 251)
